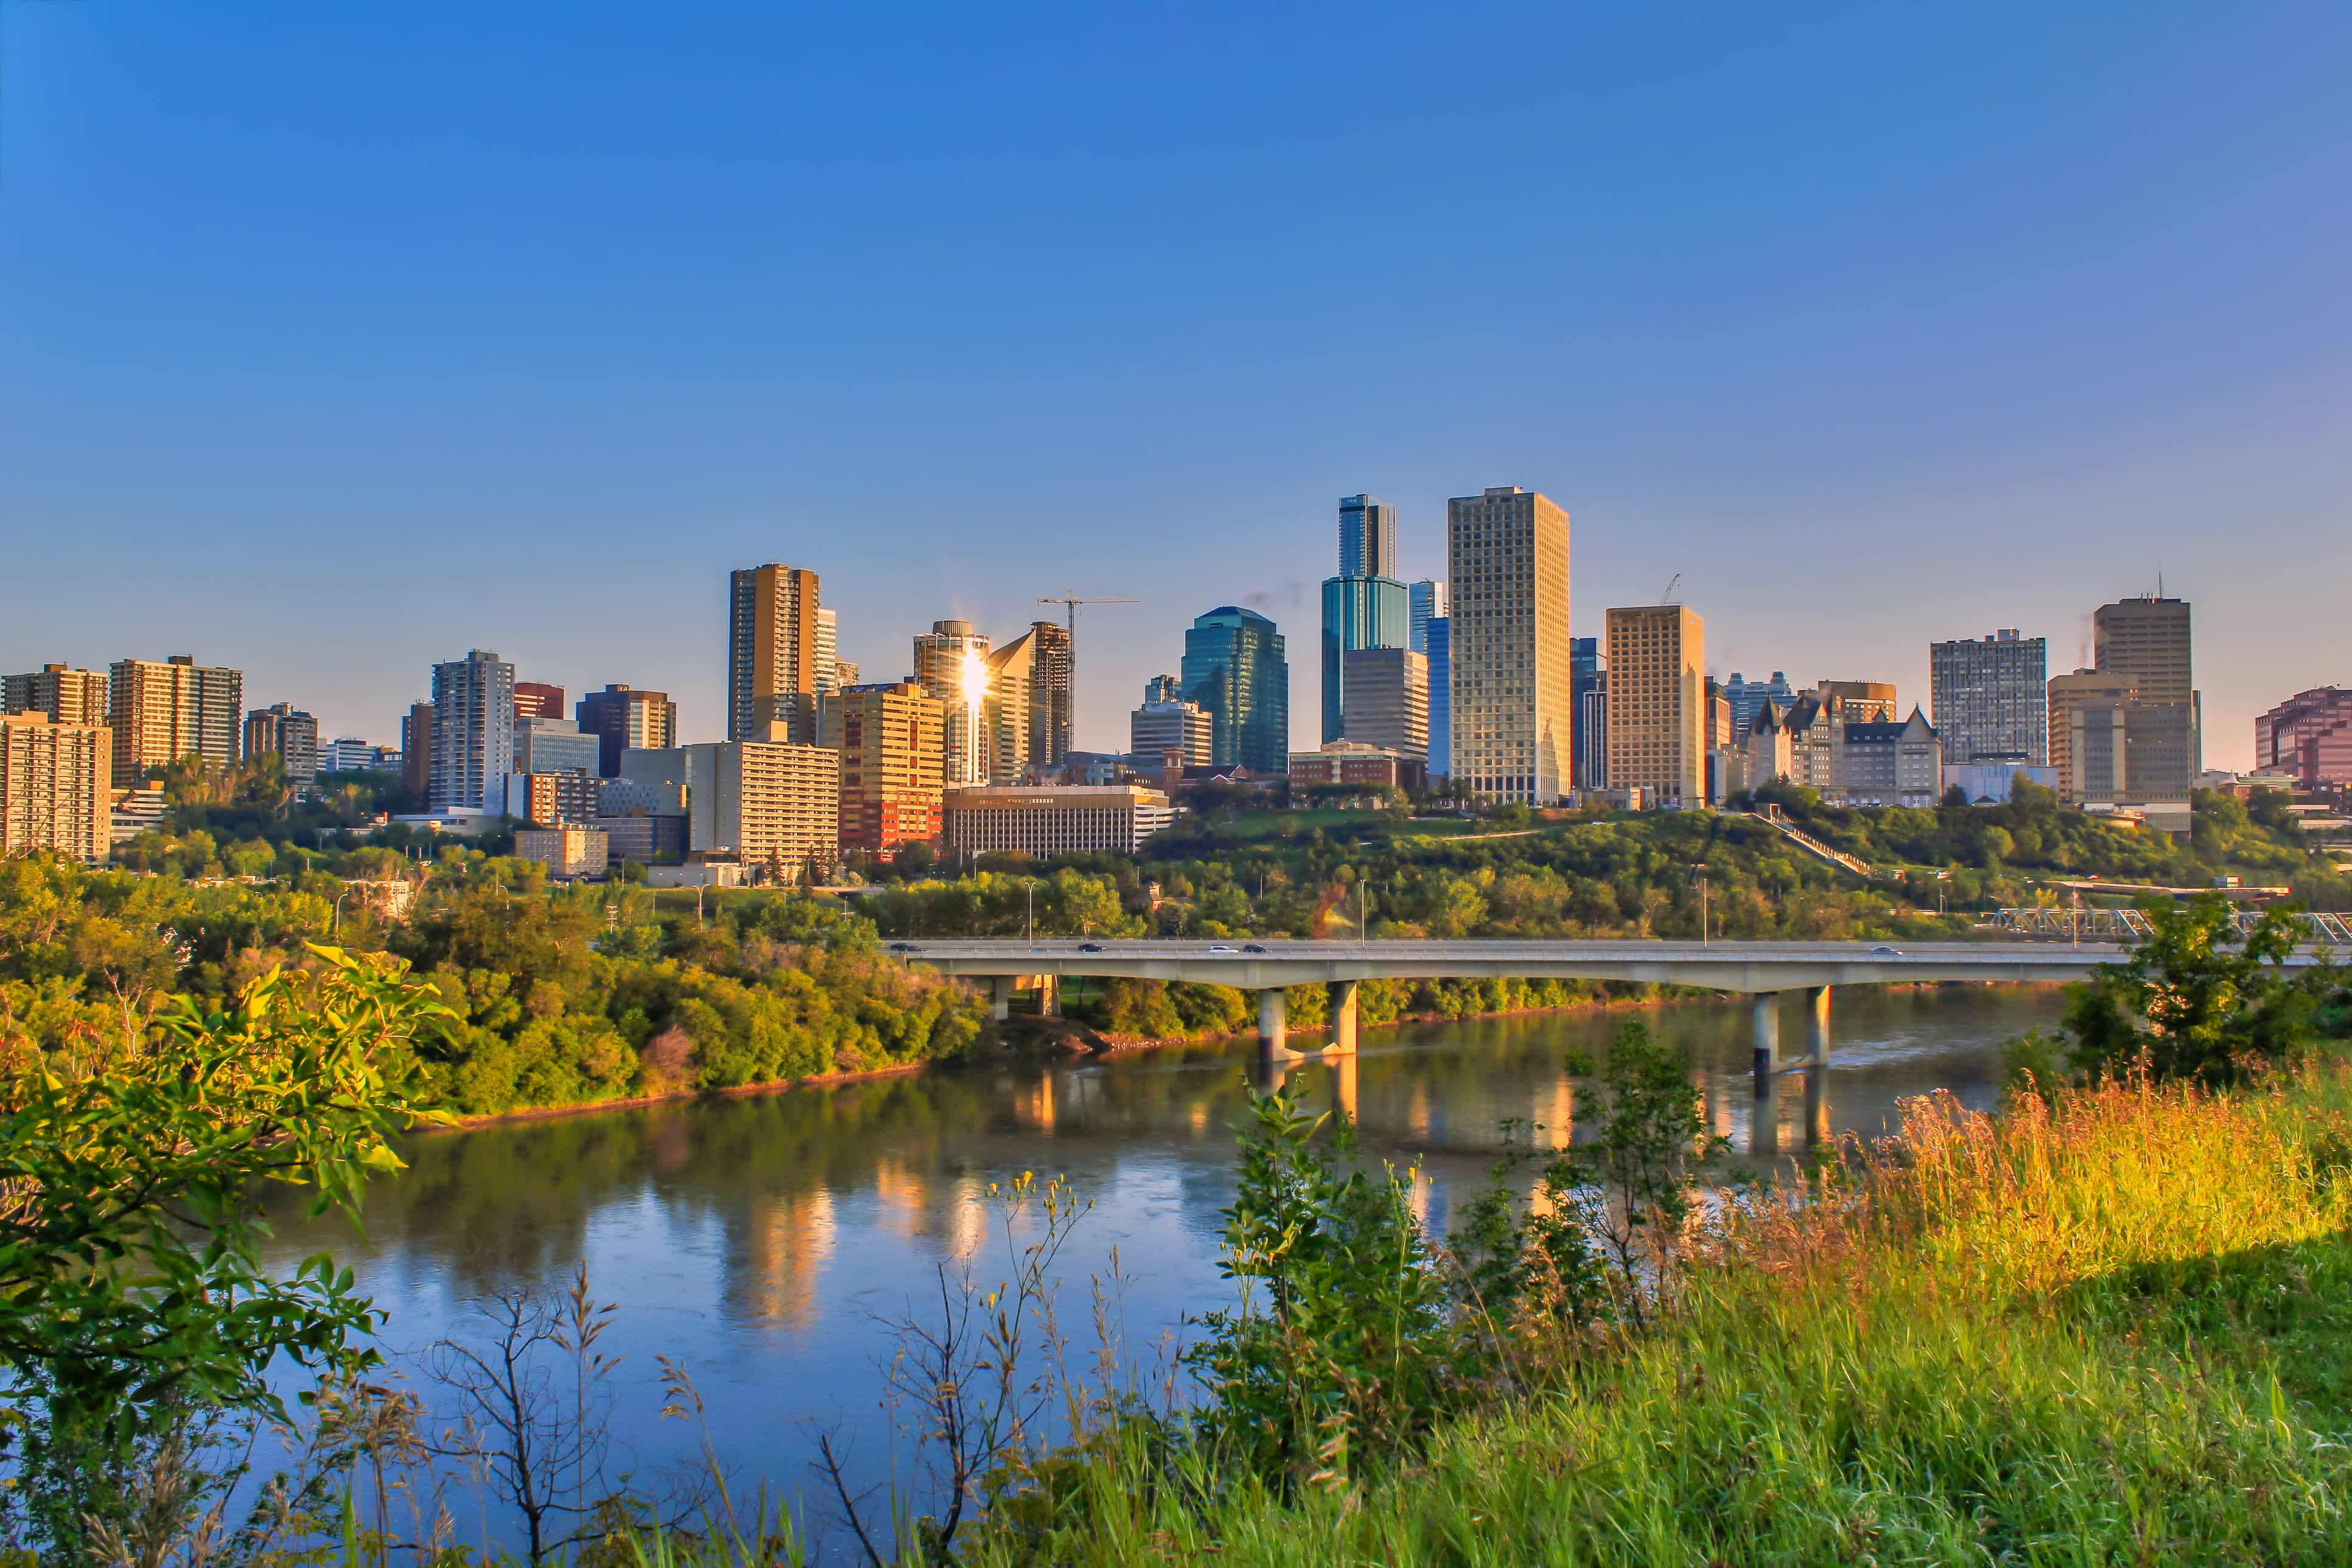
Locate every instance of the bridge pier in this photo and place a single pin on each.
(1272, 1023)
(1817, 1032)
(1342, 1005)
(1343, 1083)
(1817, 1107)
(1049, 996)
(1000, 996)
(1764, 1121)
(1767, 1015)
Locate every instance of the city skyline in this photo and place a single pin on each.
(1953, 321)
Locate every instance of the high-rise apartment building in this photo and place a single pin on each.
(1387, 700)
(473, 730)
(163, 712)
(2071, 694)
(1748, 699)
(2309, 737)
(1657, 654)
(622, 716)
(1991, 698)
(828, 653)
(1157, 729)
(538, 700)
(763, 803)
(291, 733)
(65, 696)
(951, 667)
(888, 737)
(1052, 676)
(57, 791)
(2148, 639)
(1438, 634)
(416, 752)
(1234, 669)
(1513, 712)
(1368, 538)
(773, 637)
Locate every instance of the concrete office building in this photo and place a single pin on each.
(773, 637)
(538, 700)
(1157, 729)
(549, 745)
(1387, 700)
(1234, 670)
(1991, 698)
(2069, 695)
(2308, 737)
(291, 733)
(2148, 640)
(1043, 822)
(622, 716)
(64, 696)
(951, 667)
(473, 730)
(163, 712)
(1748, 699)
(767, 804)
(1513, 712)
(57, 787)
(888, 737)
(1657, 655)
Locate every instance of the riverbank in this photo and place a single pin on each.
(2114, 1326)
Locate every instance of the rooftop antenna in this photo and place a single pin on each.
(1672, 583)
(1070, 599)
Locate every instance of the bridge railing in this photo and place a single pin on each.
(2131, 925)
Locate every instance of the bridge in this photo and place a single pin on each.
(1762, 970)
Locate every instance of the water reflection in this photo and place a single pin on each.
(757, 1239)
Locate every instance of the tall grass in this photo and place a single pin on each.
(2097, 1328)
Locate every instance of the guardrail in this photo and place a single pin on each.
(2130, 925)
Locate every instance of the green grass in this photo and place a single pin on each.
(2111, 1329)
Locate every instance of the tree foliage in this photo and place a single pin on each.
(2196, 1000)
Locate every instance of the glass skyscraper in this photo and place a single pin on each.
(1367, 538)
(1233, 668)
(1437, 635)
(1365, 605)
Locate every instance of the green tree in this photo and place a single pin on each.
(2194, 999)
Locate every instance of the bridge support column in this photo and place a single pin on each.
(1817, 1026)
(1764, 1121)
(1049, 996)
(1000, 996)
(1817, 1107)
(1272, 1022)
(1768, 1040)
(1343, 1083)
(1341, 1004)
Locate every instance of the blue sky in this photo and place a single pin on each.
(338, 339)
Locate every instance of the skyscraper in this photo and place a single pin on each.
(67, 696)
(473, 729)
(2148, 640)
(1587, 767)
(2085, 691)
(1367, 538)
(1050, 674)
(1365, 605)
(1513, 710)
(416, 753)
(1163, 689)
(1992, 698)
(56, 794)
(1428, 603)
(773, 643)
(622, 716)
(1748, 699)
(1026, 713)
(163, 712)
(1656, 726)
(1438, 632)
(538, 700)
(951, 667)
(1233, 668)
(888, 739)
(1387, 700)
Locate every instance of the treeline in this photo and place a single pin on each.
(558, 996)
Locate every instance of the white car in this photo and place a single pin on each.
(1221, 947)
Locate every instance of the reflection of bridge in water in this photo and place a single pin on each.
(1764, 971)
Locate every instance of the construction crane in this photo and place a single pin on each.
(1672, 583)
(1070, 599)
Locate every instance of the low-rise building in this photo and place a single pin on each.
(1353, 762)
(560, 795)
(1043, 822)
(1990, 783)
(567, 849)
(57, 787)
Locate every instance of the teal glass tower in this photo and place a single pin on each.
(1233, 668)
(1365, 605)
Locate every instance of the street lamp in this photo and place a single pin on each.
(1698, 872)
(336, 929)
(1029, 887)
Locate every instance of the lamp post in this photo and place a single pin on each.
(1029, 887)
(1698, 873)
(336, 929)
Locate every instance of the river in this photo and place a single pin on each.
(759, 1240)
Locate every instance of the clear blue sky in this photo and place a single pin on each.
(336, 338)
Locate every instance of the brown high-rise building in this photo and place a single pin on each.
(55, 787)
(163, 712)
(889, 741)
(1512, 679)
(773, 642)
(2147, 640)
(538, 700)
(623, 719)
(65, 696)
(416, 753)
(1657, 693)
(291, 733)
